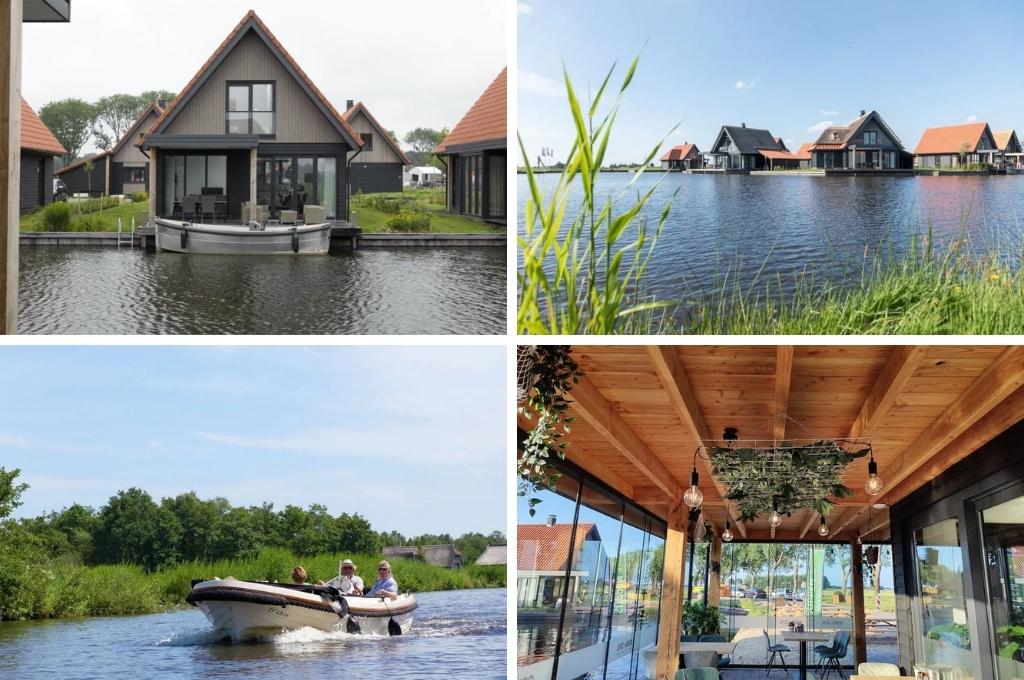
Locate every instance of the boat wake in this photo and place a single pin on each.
(192, 638)
(437, 628)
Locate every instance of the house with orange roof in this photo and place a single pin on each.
(865, 143)
(684, 156)
(249, 129)
(955, 146)
(547, 553)
(1009, 147)
(38, 148)
(120, 170)
(377, 166)
(475, 155)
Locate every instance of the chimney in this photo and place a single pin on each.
(551, 520)
(349, 103)
(862, 112)
(162, 103)
(743, 125)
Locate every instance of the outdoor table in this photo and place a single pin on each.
(803, 638)
(706, 648)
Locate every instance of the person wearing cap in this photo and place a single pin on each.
(385, 585)
(346, 581)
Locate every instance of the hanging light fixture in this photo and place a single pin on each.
(823, 528)
(727, 534)
(874, 485)
(775, 519)
(693, 496)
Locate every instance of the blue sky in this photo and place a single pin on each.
(295, 425)
(789, 66)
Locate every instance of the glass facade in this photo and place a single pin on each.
(1002, 528)
(588, 583)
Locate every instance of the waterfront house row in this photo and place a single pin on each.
(968, 145)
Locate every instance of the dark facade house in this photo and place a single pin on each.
(865, 143)
(377, 166)
(251, 126)
(123, 169)
(954, 146)
(682, 157)
(740, 147)
(1007, 142)
(475, 153)
(442, 556)
(38, 147)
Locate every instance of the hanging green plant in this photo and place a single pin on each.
(544, 374)
(792, 477)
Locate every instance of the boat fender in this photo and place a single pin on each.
(184, 239)
(393, 628)
(338, 602)
(295, 240)
(353, 627)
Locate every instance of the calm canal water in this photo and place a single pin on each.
(747, 229)
(373, 291)
(458, 634)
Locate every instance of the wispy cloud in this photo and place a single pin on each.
(523, 8)
(820, 127)
(749, 84)
(13, 440)
(828, 112)
(972, 119)
(537, 84)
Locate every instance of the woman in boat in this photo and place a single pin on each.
(346, 581)
(386, 586)
(299, 575)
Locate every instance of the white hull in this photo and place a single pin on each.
(273, 608)
(230, 239)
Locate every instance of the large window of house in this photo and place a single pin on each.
(251, 109)
(1002, 528)
(135, 175)
(327, 185)
(192, 175)
(871, 137)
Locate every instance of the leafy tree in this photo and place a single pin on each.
(10, 493)
(199, 522)
(840, 556)
(156, 96)
(237, 536)
(353, 533)
(88, 167)
(114, 115)
(135, 529)
(71, 121)
(422, 142)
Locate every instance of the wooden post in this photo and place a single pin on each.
(152, 183)
(860, 652)
(670, 617)
(10, 160)
(715, 580)
(252, 178)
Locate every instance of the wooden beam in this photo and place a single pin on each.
(1003, 377)
(588, 402)
(715, 577)
(10, 161)
(813, 516)
(672, 374)
(899, 367)
(860, 651)
(780, 405)
(670, 616)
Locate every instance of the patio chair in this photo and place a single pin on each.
(775, 650)
(188, 207)
(289, 216)
(833, 659)
(315, 214)
(697, 674)
(723, 660)
(246, 212)
(874, 669)
(208, 206)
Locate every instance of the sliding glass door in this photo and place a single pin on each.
(1002, 528)
(292, 182)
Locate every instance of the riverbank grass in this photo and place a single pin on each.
(374, 211)
(88, 217)
(61, 589)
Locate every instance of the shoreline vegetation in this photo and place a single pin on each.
(135, 555)
(587, 273)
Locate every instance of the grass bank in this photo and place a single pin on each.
(374, 211)
(62, 590)
(87, 217)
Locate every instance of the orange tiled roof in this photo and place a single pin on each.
(251, 14)
(1002, 139)
(950, 139)
(804, 153)
(348, 115)
(777, 155)
(35, 136)
(678, 153)
(543, 548)
(487, 119)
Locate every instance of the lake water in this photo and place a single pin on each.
(457, 634)
(373, 291)
(750, 228)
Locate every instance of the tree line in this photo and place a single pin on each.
(134, 528)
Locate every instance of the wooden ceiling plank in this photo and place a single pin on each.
(898, 369)
(783, 377)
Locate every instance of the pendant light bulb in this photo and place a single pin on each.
(823, 528)
(693, 496)
(874, 484)
(775, 519)
(727, 534)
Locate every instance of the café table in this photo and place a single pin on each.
(803, 637)
(705, 650)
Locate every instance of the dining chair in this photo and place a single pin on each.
(188, 206)
(777, 649)
(289, 216)
(208, 206)
(833, 658)
(315, 214)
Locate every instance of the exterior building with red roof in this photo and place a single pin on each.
(475, 154)
(250, 127)
(545, 553)
(377, 166)
(685, 156)
(954, 146)
(865, 143)
(1007, 142)
(38, 148)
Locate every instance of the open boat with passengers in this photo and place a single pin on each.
(244, 610)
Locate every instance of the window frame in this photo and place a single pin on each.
(249, 85)
(367, 145)
(874, 137)
(130, 172)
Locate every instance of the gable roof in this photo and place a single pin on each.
(125, 138)
(781, 143)
(350, 115)
(748, 140)
(35, 136)
(951, 138)
(678, 153)
(804, 153)
(778, 155)
(441, 555)
(840, 136)
(1006, 139)
(485, 121)
(540, 547)
(252, 22)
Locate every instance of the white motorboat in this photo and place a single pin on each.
(244, 610)
(255, 238)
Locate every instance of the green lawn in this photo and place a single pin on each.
(423, 200)
(106, 218)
